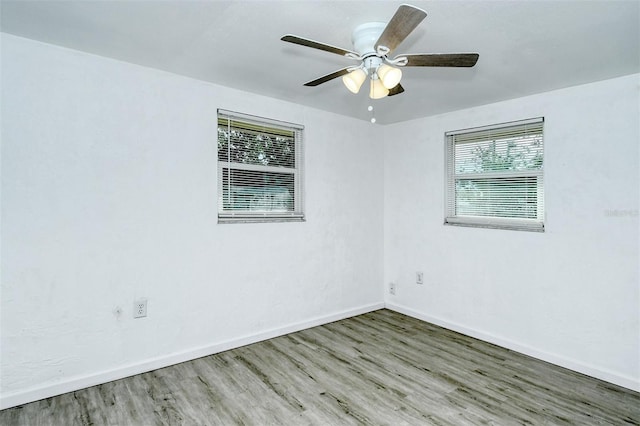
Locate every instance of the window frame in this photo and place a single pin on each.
(511, 223)
(262, 216)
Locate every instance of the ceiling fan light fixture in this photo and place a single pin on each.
(390, 76)
(377, 90)
(373, 42)
(354, 80)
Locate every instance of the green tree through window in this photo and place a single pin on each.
(494, 177)
(260, 169)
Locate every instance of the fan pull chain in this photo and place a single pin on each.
(370, 109)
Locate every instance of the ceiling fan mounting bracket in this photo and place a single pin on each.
(382, 51)
(399, 61)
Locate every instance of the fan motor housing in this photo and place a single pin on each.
(364, 37)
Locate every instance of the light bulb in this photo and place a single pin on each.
(377, 90)
(389, 76)
(354, 80)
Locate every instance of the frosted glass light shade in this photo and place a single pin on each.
(377, 89)
(354, 80)
(389, 76)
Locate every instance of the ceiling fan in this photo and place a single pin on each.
(373, 42)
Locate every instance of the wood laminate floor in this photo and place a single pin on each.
(381, 368)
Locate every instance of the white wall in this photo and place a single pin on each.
(569, 295)
(109, 194)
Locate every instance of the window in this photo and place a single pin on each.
(259, 169)
(494, 176)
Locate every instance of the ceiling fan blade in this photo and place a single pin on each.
(405, 20)
(441, 60)
(396, 90)
(328, 77)
(317, 45)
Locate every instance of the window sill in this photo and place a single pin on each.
(257, 218)
(496, 223)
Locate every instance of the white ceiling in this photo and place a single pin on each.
(525, 47)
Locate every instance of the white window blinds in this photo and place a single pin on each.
(495, 176)
(259, 169)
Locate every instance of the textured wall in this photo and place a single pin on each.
(568, 295)
(109, 194)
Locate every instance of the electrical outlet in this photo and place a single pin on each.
(419, 278)
(140, 308)
(392, 288)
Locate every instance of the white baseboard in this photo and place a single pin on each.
(81, 382)
(598, 373)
